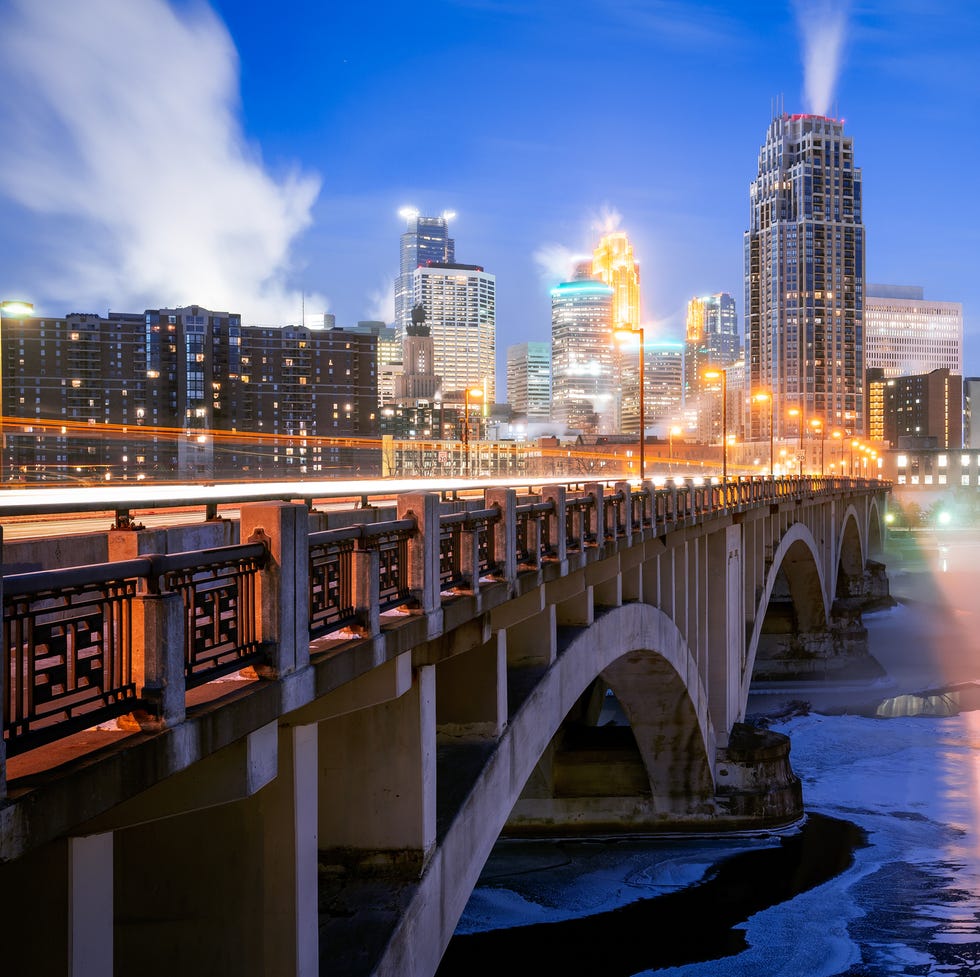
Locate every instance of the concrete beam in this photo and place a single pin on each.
(230, 774)
(387, 681)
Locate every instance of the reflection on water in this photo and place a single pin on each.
(948, 702)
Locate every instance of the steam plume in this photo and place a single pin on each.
(129, 143)
(823, 26)
(556, 263)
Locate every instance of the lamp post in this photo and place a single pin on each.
(13, 310)
(672, 432)
(764, 395)
(797, 413)
(714, 375)
(818, 428)
(476, 393)
(627, 334)
(839, 436)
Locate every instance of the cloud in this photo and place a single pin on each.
(823, 28)
(129, 139)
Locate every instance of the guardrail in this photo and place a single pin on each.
(86, 645)
(71, 641)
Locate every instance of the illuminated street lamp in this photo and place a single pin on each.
(627, 334)
(672, 432)
(723, 375)
(765, 395)
(850, 464)
(839, 435)
(818, 428)
(476, 393)
(13, 310)
(797, 413)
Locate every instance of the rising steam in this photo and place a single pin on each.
(129, 145)
(556, 263)
(823, 27)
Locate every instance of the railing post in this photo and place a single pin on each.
(504, 531)
(556, 530)
(366, 587)
(598, 518)
(423, 549)
(158, 659)
(284, 584)
(470, 557)
(626, 507)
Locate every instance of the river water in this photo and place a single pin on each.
(882, 879)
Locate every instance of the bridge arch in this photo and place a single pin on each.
(795, 584)
(634, 643)
(852, 556)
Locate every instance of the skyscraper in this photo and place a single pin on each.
(804, 277)
(712, 337)
(460, 311)
(905, 334)
(583, 381)
(614, 264)
(426, 239)
(529, 380)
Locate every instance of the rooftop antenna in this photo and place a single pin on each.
(302, 309)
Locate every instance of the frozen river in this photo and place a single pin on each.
(905, 898)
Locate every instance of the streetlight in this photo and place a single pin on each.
(476, 393)
(15, 310)
(714, 375)
(839, 435)
(765, 395)
(796, 412)
(817, 426)
(672, 432)
(629, 333)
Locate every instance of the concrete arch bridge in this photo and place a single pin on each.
(416, 683)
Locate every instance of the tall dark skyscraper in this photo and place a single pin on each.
(804, 277)
(426, 240)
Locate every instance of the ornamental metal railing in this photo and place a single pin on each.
(69, 642)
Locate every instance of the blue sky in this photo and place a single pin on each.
(239, 158)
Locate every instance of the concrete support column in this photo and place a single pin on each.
(726, 630)
(471, 691)
(578, 611)
(533, 641)
(283, 587)
(505, 532)
(288, 812)
(378, 777)
(556, 526)
(90, 905)
(423, 549)
(158, 659)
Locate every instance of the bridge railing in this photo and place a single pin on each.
(86, 645)
(82, 645)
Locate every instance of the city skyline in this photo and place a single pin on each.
(322, 157)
